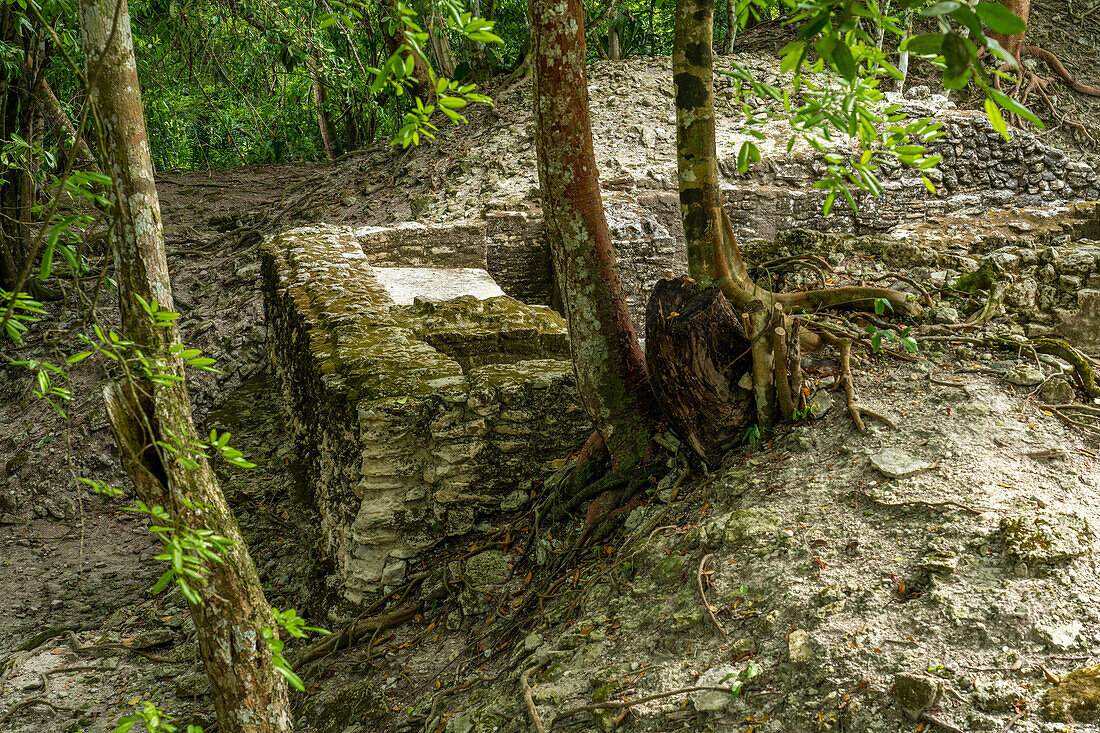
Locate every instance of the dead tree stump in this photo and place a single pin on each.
(696, 352)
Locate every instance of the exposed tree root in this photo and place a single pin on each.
(844, 379)
(351, 633)
(1062, 71)
(1084, 417)
(529, 699)
(1083, 366)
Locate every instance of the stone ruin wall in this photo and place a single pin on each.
(980, 171)
(404, 445)
(416, 419)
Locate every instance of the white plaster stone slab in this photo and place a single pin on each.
(406, 283)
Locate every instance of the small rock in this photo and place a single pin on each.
(486, 568)
(896, 463)
(419, 205)
(151, 638)
(945, 314)
(1024, 375)
(1077, 699)
(820, 403)
(192, 684)
(799, 647)
(1045, 537)
(712, 700)
(1058, 392)
(747, 525)
(1061, 637)
(7, 518)
(997, 696)
(916, 692)
(513, 501)
(394, 572)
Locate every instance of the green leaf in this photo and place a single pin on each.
(941, 8)
(163, 581)
(995, 118)
(929, 185)
(956, 54)
(1000, 19)
(927, 44)
(47, 258)
(965, 17)
(1013, 106)
(845, 64)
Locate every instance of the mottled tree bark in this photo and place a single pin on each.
(63, 129)
(607, 360)
(249, 694)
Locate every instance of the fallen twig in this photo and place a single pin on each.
(916, 502)
(617, 704)
(1015, 719)
(703, 594)
(941, 723)
(353, 632)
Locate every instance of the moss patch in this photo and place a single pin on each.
(1077, 699)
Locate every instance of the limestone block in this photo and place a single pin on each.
(1082, 327)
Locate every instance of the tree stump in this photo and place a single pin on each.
(696, 352)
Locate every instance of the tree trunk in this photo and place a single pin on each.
(1014, 44)
(731, 27)
(249, 694)
(63, 129)
(613, 51)
(607, 360)
(324, 120)
(16, 186)
(696, 352)
(422, 87)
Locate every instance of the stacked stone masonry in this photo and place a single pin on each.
(413, 420)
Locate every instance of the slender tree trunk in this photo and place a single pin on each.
(903, 56)
(696, 151)
(16, 187)
(423, 87)
(613, 51)
(607, 359)
(63, 129)
(1014, 44)
(324, 119)
(249, 694)
(731, 27)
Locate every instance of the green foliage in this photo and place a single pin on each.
(153, 719)
(19, 310)
(838, 73)
(294, 625)
(902, 337)
(187, 551)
